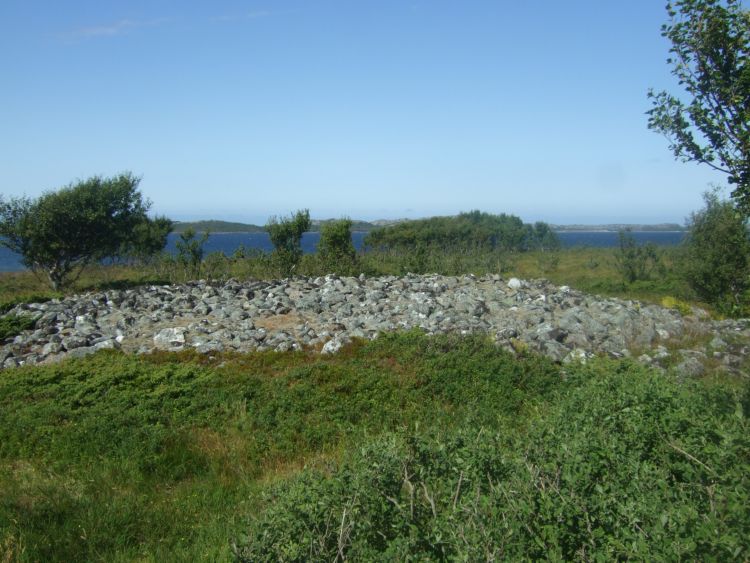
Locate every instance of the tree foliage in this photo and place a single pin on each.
(336, 248)
(633, 261)
(148, 238)
(62, 231)
(716, 263)
(286, 237)
(709, 56)
(190, 250)
(471, 230)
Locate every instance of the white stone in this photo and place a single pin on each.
(332, 346)
(515, 283)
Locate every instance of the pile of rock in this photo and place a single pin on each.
(324, 313)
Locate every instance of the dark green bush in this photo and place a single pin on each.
(11, 325)
(466, 231)
(716, 258)
(336, 249)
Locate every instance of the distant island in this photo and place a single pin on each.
(616, 227)
(216, 226)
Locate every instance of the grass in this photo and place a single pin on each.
(161, 457)
(173, 457)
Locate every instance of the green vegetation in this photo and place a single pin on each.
(466, 231)
(286, 237)
(336, 249)
(406, 447)
(61, 232)
(635, 262)
(592, 270)
(710, 58)
(436, 446)
(319, 225)
(215, 226)
(11, 325)
(716, 261)
(190, 251)
(624, 465)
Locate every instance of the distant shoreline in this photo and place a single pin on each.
(367, 231)
(225, 227)
(617, 231)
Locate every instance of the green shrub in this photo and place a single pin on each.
(635, 262)
(627, 465)
(716, 258)
(11, 325)
(190, 251)
(336, 249)
(286, 237)
(466, 231)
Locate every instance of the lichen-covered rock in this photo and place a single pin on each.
(170, 338)
(325, 312)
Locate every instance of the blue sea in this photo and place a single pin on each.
(229, 242)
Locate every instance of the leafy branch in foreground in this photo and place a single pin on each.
(710, 58)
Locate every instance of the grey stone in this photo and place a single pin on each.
(209, 347)
(690, 367)
(51, 348)
(81, 352)
(74, 341)
(170, 338)
(557, 321)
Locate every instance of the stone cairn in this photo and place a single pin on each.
(326, 312)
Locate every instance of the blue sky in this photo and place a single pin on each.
(367, 108)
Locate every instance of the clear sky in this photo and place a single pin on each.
(372, 109)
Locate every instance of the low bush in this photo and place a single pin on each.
(673, 303)
(116, 457)
(635, 262)
(11, 325)
(627, 464)
(336, 250)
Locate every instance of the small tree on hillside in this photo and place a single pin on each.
(336, 248)
(716, 259)
(711, 59)
(61, 232)
(286, 237)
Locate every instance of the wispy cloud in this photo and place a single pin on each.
(254, 15)
(119, 27)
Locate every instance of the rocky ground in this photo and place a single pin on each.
(324, 313)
